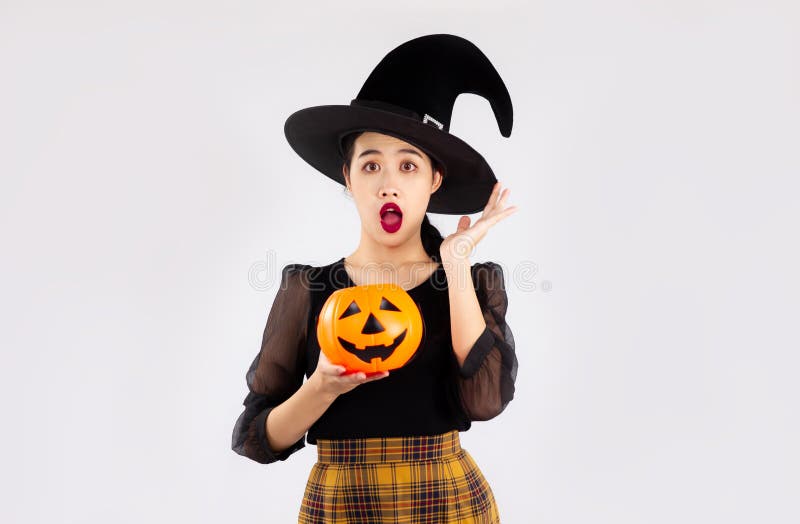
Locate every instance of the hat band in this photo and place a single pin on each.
(400, 110)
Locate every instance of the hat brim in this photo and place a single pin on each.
(314, 133)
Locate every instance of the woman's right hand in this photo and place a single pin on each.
(333, 379)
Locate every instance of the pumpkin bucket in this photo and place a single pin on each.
(370, 328)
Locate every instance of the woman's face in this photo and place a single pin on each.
(385, 169)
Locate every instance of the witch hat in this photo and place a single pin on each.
(410, 95)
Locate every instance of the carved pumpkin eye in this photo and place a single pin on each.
(352, 309)
(385, 304)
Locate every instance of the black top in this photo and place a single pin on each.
(431, 394)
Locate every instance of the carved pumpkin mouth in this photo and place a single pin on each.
(380, 351)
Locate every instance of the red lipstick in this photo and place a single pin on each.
(391, 217)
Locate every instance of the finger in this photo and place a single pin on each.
(500, 201)
(325, 363)
(499, 207)
(463, 223)
(503, 197)
(327, 366)
(356, 377)
(498, 187)
(334, 371)
(492, 199)
(377, 376)
(501, 215)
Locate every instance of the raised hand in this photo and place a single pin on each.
(459, 245)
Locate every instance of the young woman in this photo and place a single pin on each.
(388, 444)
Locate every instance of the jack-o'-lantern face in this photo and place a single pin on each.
(370, 328)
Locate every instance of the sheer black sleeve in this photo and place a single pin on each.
(486, 379)
(278, 369)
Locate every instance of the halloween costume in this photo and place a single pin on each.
(388, 450)
(412, 413)
(410, 479)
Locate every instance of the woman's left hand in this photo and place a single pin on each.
(459, 245)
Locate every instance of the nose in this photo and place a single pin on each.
(389, 186)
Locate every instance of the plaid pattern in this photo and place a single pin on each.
(429, 479)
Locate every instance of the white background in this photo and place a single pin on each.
(149, 198)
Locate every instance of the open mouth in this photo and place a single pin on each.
(377, 351)
(391, 217)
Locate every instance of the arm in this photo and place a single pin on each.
(280, 407)
(482, 340)
(466, 318)
(290, 420)
(275, 379)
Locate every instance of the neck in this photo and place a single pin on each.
(371, 252)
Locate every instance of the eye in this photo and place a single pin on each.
(409, 163)
(366, 166)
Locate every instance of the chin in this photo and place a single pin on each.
(397, 238)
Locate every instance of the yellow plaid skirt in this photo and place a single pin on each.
(411, 480)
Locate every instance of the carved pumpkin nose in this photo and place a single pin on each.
(372, 326)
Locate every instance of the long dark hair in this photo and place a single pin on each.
(429, 234)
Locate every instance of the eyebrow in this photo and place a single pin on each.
(404, 150)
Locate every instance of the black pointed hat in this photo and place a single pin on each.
(410, 95)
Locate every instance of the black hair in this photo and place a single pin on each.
(429, 234)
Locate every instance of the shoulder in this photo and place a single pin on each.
(293, 270)
(488, 276)
(297, 274)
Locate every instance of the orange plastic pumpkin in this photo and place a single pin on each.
(370, 328)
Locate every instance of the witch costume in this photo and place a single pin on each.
(389, 450)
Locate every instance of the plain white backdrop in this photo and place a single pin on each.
(149, 198)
